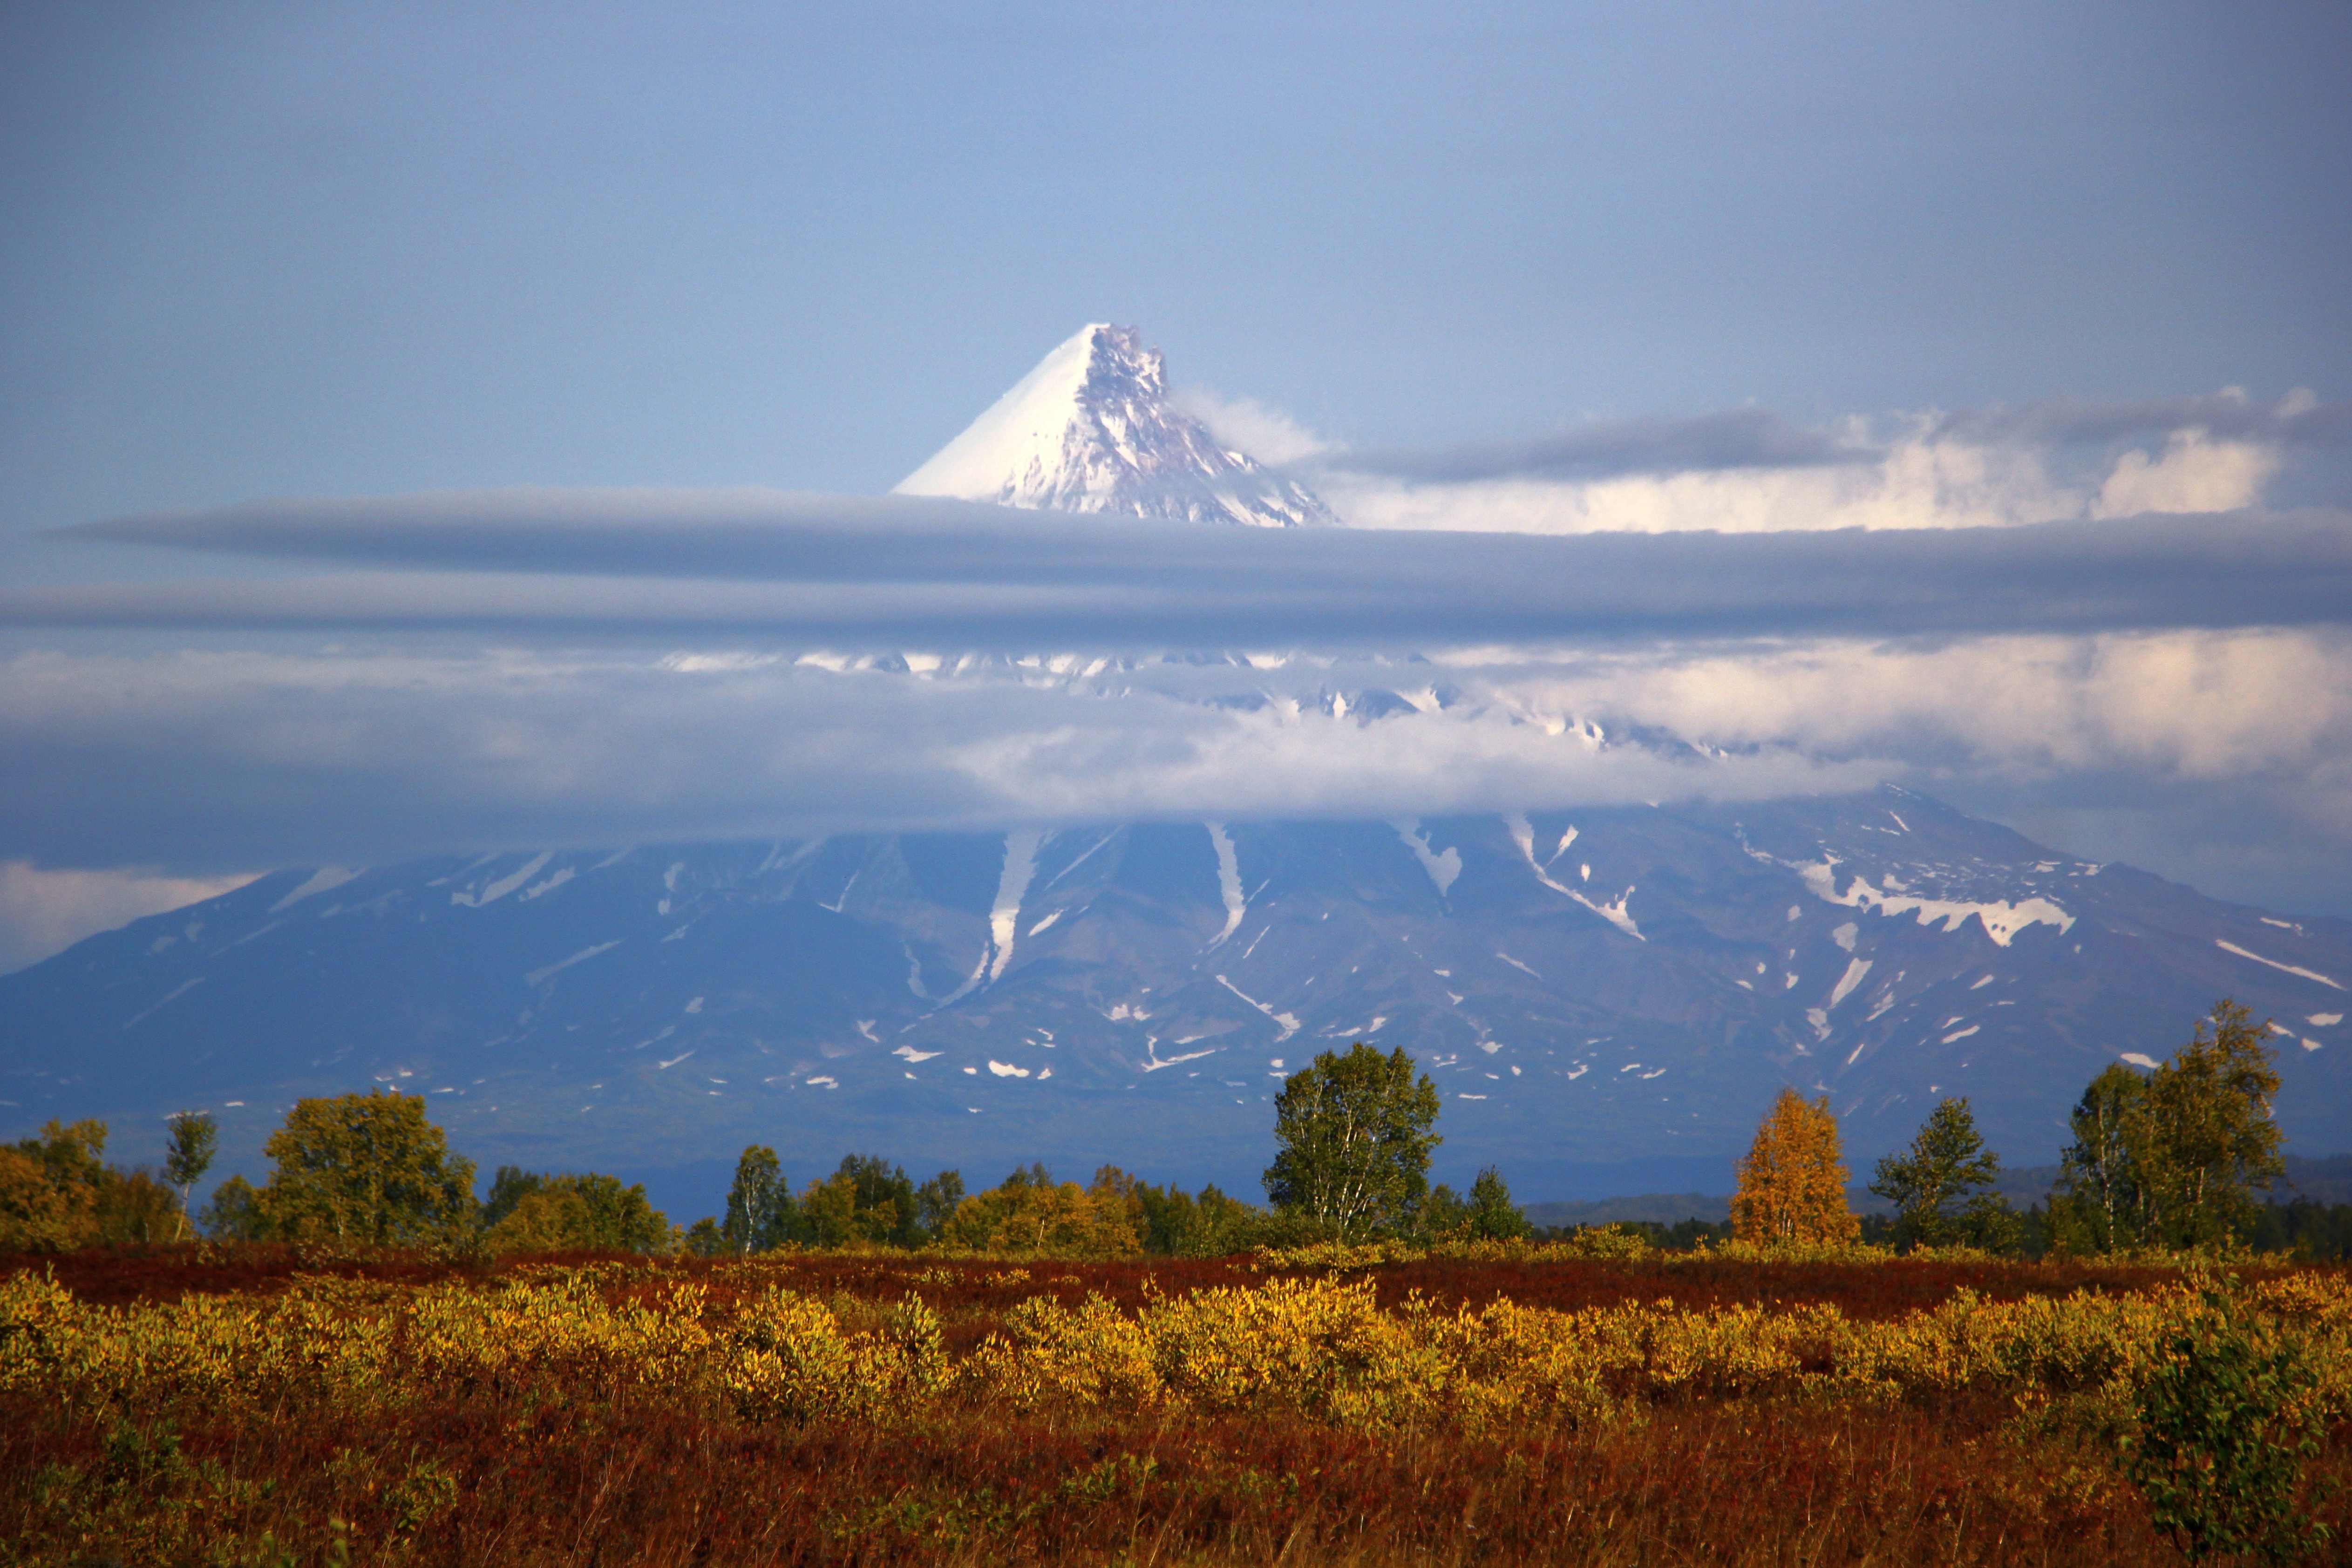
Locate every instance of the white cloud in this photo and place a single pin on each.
(2194, 473)
(45, 911)
(1925, 476)
(1244, 423)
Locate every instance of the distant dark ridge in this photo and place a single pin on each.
(2328, 1179)
(1664, 1207)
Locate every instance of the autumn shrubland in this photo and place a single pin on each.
(212, 1403)
(364, 1364)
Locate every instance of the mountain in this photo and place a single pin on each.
(1091, 430)
(1623, 984)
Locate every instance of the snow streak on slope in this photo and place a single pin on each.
(1229, 882)
(1004, 918)
(1090, 430)
(1524, 834)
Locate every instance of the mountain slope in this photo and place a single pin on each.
(1592, 985)
(1090, 430)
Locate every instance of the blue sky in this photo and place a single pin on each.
(323, 250)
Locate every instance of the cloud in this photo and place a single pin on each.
(259, 759)
(2296, 420)
(2195, 473)
(1245, 424)
(1731, 438)
(45, 911)
(1749, 470)
(2161, 742)
(882, 573)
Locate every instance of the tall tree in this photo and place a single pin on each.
(2173, 1159)
(2102, 1204)
(1792, 1188)
(1355, 1136)
(366, 1167)
(195, 1137)
(759, 1205)
(1937, 1186)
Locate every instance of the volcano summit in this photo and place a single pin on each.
(1091, 430)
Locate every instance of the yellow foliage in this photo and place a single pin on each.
(1318, 1346)
(1792, 1188)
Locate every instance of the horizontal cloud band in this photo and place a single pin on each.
(881, 571)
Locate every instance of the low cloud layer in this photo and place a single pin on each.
(888, 572)
(213, 761)
(2079, 619)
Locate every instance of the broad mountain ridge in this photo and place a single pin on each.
(1621, 984)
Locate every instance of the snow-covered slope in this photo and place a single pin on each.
(1091, 430)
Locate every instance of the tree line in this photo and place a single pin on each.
(2168, 1160)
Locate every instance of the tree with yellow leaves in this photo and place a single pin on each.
(1792, 1183)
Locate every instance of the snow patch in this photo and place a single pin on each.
(1963, 1033)
(1855, 971)
(1441, 867)
(536, 975)
(506, 885)
(2137, 1060)
(1006, 1070)
(2273, 963)
(911, 1054)
(322, 880)
(1844, 935)
(2321, 1020)
(1288, 1021)
(2002, 920)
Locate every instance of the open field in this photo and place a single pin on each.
(267, 1404)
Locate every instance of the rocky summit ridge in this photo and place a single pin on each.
(1091, 430)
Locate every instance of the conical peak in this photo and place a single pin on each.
(1091, 430)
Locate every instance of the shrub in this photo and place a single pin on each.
(2225, 1425)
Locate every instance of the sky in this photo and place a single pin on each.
(2062, 290)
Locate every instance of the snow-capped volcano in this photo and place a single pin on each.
(1091, 430)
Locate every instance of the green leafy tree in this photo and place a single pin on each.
(2102, 1204)
(1030, 1214)
(1493, 1215)
(195, 1138)
(759, 1204)
(530, 1212)
(705, 1240)
(936, 1201)
(235, 1213)
(1210, 1225)
(1355, 1139)
(1938, 1186)
(366, 1167)
(2174, 1159)
(877, 1186)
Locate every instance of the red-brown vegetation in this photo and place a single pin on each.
(527, 1470)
